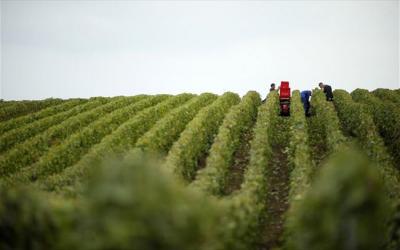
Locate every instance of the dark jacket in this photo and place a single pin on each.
(328, 92)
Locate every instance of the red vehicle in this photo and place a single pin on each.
(284, 98)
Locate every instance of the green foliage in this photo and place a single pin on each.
(244, 210)
(136, 204)
(299, 152)
(4, 103)
(26, 221)
(16, 109)
(300, 161)
(198, 136)
(317, 138)
(119, 215)
(29, 118)
(326, 116)
(357, 121)
(160, 138)
(386, 116)
(240, 118)
(387, 95)
(18, 135)
(119, 142)
(31, 150)
(76, 145)
(346, 208)
(114, 213)
(394, 229)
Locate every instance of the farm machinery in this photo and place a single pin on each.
(284, 98)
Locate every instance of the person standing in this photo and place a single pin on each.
(327, 90)
(305, 99)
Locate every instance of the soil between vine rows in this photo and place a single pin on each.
(278, 187)
(241, 159)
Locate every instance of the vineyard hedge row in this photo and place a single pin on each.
(350, 194)
(29, 118)
(300, 160)
(386, 117)
(387, 95)
(160, 138)
(119, 142)
(326, 116)
(197, 138)
(213, 178)
(76, 145)
(301, 164)
(244, 209)
(336, 207)
(20, 108)
(357, 121)
(173, 218)
(344, 208)
(31, 150)
(18, 135)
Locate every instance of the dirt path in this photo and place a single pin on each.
(241, 159)
(202, 160)
(278, 188)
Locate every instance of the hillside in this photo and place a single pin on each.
(201, 172)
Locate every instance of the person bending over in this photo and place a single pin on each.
(327, 90)
(305, 99)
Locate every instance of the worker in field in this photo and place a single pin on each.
(327, 90)
(272, 88)
(305, 99)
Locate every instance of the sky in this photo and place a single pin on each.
(76, 48)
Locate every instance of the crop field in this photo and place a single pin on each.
(201, 172)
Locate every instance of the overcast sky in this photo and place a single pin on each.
(106, 48)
